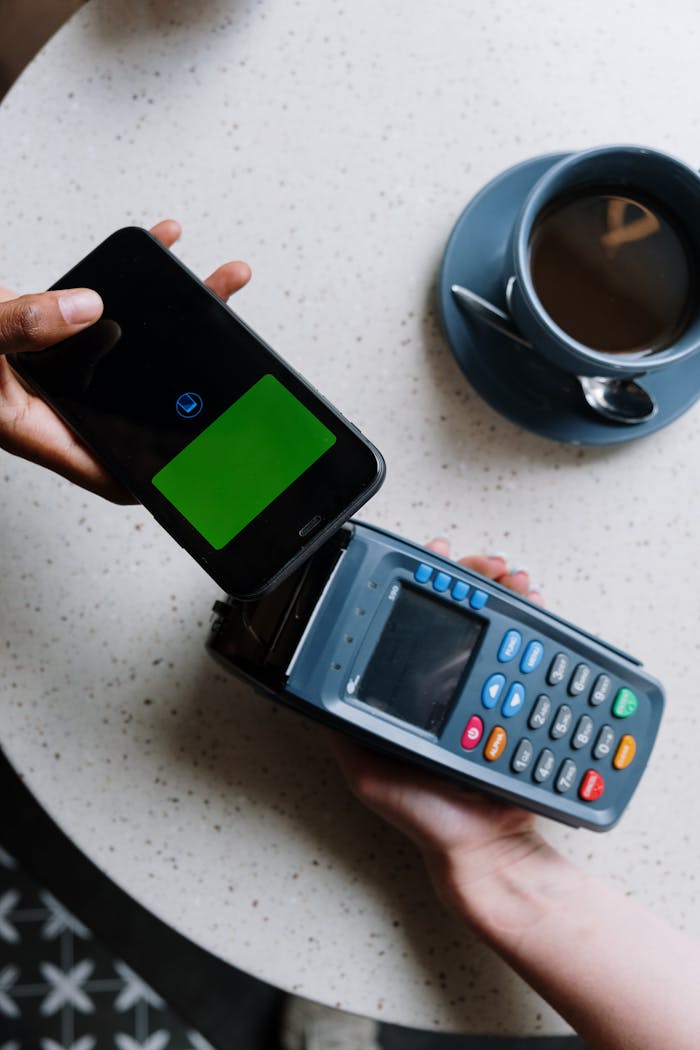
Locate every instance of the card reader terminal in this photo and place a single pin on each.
(415, 654)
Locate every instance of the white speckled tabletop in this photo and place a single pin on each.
(332, 145)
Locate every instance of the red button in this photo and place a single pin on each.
(473, 732)
(592, 786)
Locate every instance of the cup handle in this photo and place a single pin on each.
(510, 292)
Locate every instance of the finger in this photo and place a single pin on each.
(518, 580)
(228, 279)
(7, 293)
(441, 546)
(33, 322)
(167, 232)
(492, 566)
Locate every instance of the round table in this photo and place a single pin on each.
(332, 145)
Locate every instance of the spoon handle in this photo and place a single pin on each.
(486, 311)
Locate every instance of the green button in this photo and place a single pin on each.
(625, 703)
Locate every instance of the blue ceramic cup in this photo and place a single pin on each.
(676, 189)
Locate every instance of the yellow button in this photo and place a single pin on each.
(626, 751)
(496, 743)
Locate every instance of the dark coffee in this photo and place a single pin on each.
(613, 271)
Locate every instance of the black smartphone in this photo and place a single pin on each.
(229, 448)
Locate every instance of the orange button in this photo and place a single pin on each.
(473, 732)
(626, 750)
(592, 786)
(496, 743)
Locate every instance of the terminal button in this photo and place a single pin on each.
(592, 786)
(496, 743)
(584, 732)
(540, 712)
(492, 689)
(514, 700)
(566, 777)
(625, 703)
(460, 591)
(557, 669)
(441, 581)
(579, 679)
(562, 722)
(473, 732)
(423, 573)
(478, 599)
(545, 766)
(532, 657)
(601, 690)
(626, 751)
(523, 756)
(510, 646)
(604, 743)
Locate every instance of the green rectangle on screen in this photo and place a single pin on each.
(243, 461)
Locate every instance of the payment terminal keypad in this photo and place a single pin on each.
(545, 715)
(593, 725)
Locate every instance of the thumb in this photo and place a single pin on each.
(33, 322)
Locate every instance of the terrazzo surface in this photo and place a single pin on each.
(332, 147)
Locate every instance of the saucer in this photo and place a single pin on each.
(519, 383)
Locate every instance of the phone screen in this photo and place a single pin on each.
(243, 461)
(234, 453)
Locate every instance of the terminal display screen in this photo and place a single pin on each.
(419, 662)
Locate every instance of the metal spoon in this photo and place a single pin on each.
(620, 400)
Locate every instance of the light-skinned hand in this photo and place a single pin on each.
(464, 836)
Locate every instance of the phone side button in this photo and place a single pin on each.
(310, 525)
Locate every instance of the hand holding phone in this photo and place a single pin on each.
(28, 425)
(239, 459)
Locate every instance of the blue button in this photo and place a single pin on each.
(442, 581)
(492, 689)
(478, 599)
(532, 657)
(460, 591)
(514, 700)
(510, 646)
(423, 573)
(188, 405)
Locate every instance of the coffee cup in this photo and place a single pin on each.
(602, 270)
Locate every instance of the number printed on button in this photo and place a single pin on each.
(545, 766)
(566, 776)
(540, 712)
(557, 669)
(604, 743)
(562, 722)
(523, 756)
(584, 732)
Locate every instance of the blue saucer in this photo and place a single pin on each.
(519, 383)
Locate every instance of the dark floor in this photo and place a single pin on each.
(219, 1004)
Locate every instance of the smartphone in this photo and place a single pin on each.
(242, 461)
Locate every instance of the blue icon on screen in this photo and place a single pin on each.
(188, 405)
